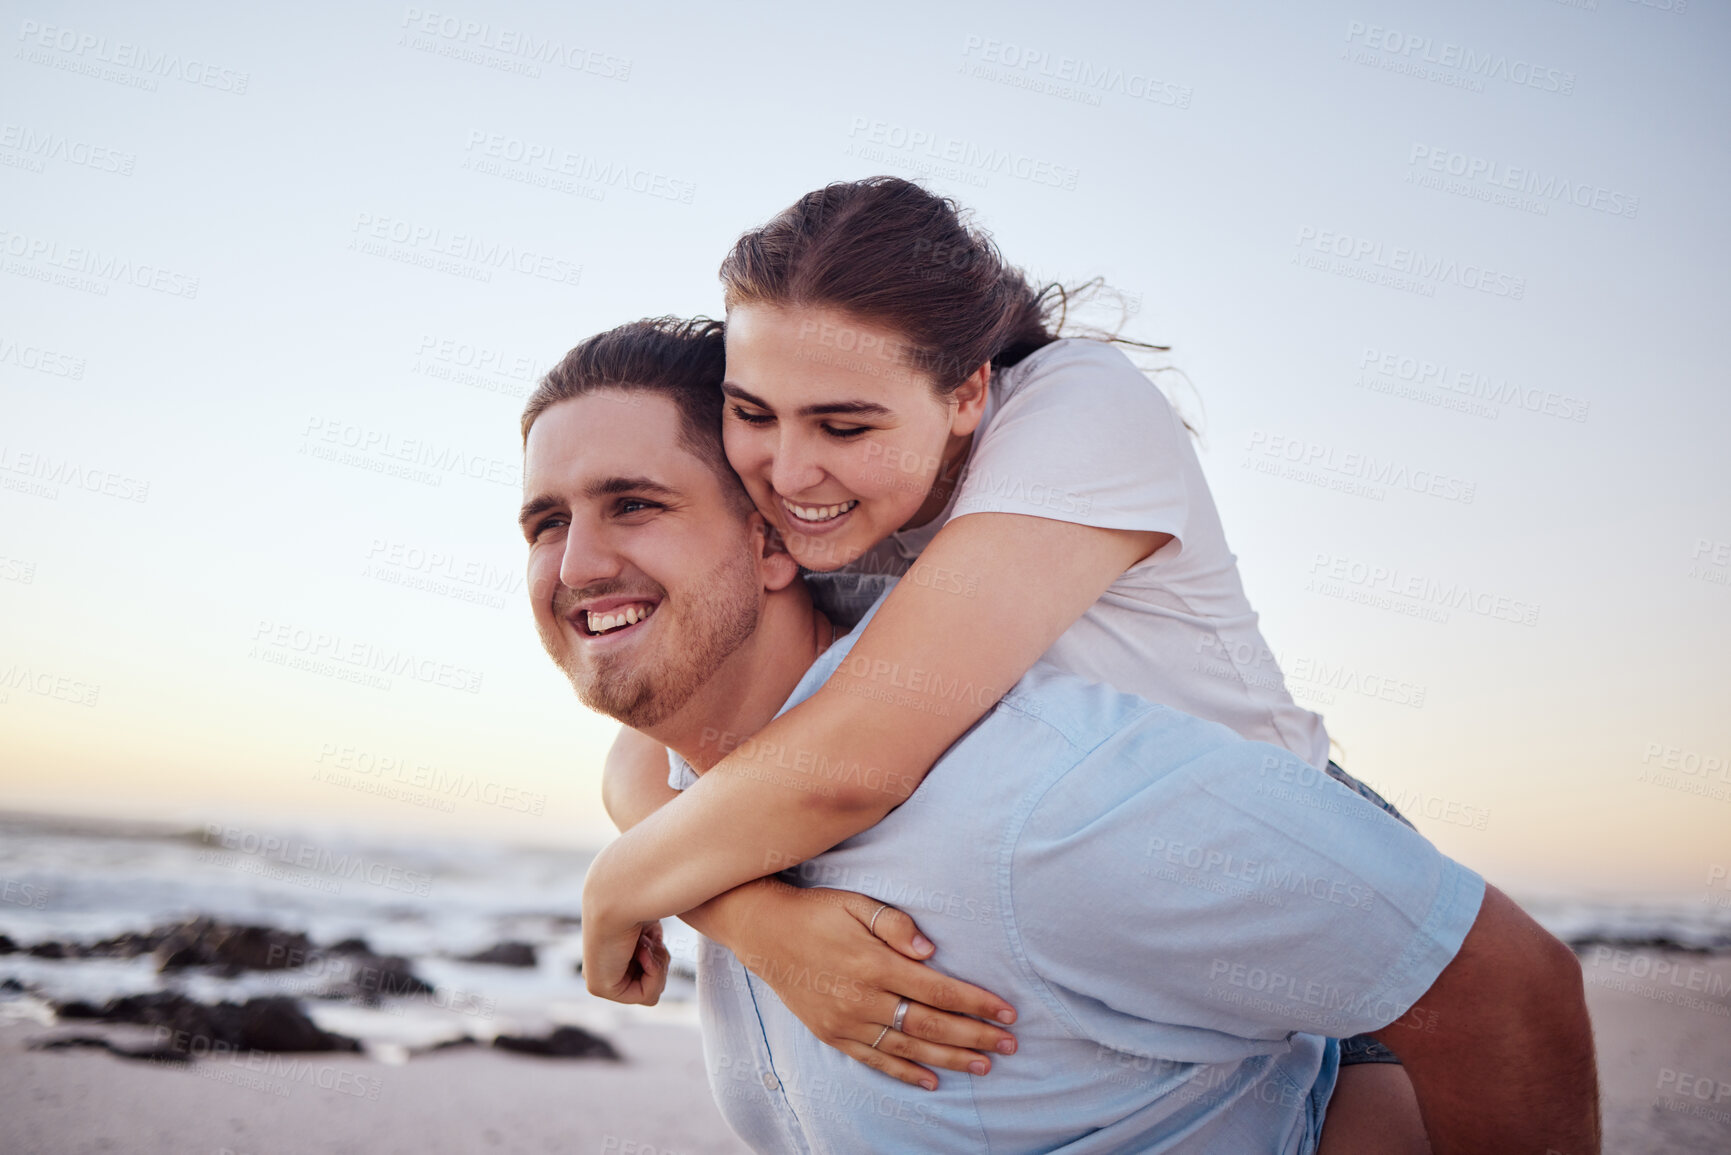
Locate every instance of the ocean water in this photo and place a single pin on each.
(431, 902)
(75, 880)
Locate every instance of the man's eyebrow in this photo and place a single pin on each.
(855, 408)
(606, 487)
(534, 508)
(615, 486)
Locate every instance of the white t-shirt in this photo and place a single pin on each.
(1075, 432)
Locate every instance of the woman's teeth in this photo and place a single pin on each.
(819, 512)
(629, 616)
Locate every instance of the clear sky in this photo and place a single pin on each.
(1448, 281)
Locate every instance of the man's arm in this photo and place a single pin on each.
(1499, 1049)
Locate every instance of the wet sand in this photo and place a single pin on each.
(1662, 1021)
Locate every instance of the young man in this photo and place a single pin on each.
(1185, 919)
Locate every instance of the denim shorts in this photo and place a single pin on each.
(1363, 1048)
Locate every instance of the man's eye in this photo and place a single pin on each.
(542, 528)
(635, 505)
(751, 418)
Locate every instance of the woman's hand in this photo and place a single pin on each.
(842, 962)
(635, 977)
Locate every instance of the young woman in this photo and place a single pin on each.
(898, 402)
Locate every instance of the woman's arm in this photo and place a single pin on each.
(990, 594)
(781, 932)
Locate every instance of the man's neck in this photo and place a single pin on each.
(748, 689)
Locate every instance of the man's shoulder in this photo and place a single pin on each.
(1090, 714)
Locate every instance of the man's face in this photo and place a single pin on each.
(642, 567)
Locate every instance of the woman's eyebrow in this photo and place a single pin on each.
(855, 408)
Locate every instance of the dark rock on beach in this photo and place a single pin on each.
(186, 1027)
(7, 946)
(349, 946)
(1650, 942)
(231, 949)
(506, 954)
(563, 1043)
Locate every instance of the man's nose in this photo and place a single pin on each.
(589, 557)
(796, 469)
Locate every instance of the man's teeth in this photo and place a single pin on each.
(630, 616)
(820, 512)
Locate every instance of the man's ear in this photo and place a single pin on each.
(773, 561)
(970, 401)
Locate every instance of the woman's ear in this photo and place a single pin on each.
(970, 401)
(773, 561)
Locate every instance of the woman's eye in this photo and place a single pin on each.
(844, 434)
(751, 418)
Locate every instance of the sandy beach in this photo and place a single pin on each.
(1662, 1021)
(459, 1101)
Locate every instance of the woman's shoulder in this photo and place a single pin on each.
(1077, 366)
(1076, 379)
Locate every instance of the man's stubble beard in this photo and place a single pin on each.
(721, 612)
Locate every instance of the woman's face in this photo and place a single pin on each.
(838, 440)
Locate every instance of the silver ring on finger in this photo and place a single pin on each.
(872, 926)
(901, 1013)
(880, 1038)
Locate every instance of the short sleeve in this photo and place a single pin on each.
(1081, 435)
(1245, 896)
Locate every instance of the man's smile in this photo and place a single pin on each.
(612, 617)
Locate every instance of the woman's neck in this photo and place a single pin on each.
(944, 485)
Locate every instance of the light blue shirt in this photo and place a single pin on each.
(1184, 920)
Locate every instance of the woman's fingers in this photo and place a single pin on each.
(905, 1046)
(953, 1031)
(880, 1060)
(897, 929)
